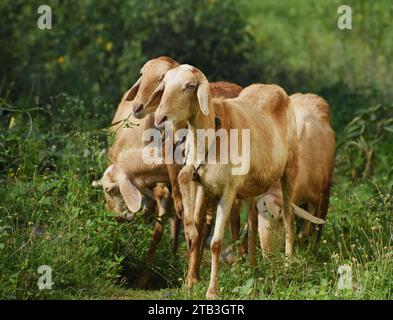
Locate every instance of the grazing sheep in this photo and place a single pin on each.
(126, 181)
(128, 177)
(145, 103)
(137, 96)
(126, 138)
(266, 112)
(140, 110)
(316, 145)
(131, 138)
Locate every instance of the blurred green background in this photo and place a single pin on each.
(60, 87)
(97, 48)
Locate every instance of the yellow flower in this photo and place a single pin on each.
(109, 46)
(60, 60)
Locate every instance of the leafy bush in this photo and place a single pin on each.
(50, 214)
(100, 52)
(366, 143)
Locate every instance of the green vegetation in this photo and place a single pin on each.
(59, 89)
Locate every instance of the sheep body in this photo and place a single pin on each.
(266, 112)
(316, 144)
(129, 177)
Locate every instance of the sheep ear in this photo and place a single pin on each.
(305, 215)
(131, 195)
(134, 90)
(107, 177)
(155, 98)
(203, 96)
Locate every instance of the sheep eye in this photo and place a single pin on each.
(191, 86)
(264, 203)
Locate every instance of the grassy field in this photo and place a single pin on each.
(52, 147)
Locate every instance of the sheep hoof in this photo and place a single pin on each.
(211, 295)
(227, 256)
(287, 262)
(191, 280)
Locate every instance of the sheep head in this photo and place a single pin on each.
(183, 92)
(270, 209)
(151, 75)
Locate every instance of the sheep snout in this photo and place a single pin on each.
(137, 109)
(160, 120)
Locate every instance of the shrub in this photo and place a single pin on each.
(100, 52)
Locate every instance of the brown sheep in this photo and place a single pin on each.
(262, 109)
(141, 110)
(316, 145)
(128, 175)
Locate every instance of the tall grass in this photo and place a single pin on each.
(52, 216)
(52, 148)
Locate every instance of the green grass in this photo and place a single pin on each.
(50, 214)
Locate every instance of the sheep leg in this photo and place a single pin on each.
(223, 212)
(265, 234)
(175, 228)
(287, 186)
(252, 231)
(193, 275)
(244, 242)
(306, 225)
(235, 220)
(323, 211)
(206, 230)
(160, 195)
(188, 193)
(173, 172)
(149, 259)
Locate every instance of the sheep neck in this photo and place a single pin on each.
(201, 121)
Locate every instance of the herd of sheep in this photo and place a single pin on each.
(290, 146)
